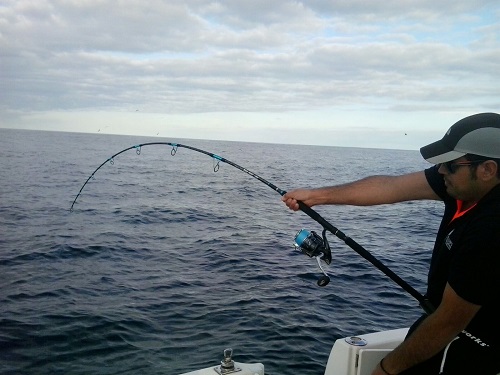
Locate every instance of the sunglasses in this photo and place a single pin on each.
(452, 166)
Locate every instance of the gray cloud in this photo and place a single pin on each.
(200, 56)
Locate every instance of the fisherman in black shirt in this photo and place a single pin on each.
(460, 336)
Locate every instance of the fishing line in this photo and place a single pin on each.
(316, 246)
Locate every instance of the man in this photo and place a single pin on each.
(461, 336)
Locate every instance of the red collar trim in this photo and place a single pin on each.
(459, 212)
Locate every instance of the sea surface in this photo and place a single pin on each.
(164, 263)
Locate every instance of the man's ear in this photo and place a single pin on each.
(489, 170)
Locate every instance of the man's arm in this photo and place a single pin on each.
(366, 192)
(436, 331)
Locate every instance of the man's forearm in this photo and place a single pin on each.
(426, 341)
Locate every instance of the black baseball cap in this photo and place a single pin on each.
(477, 134)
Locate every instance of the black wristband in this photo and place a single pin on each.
(382, 367)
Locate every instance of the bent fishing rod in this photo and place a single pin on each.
(309, 243)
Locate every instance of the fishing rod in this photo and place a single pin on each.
(310, 243)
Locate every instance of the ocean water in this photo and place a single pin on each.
(164, 263)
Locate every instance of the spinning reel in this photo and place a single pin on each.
(315, 246)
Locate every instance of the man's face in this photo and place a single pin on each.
(460, 179)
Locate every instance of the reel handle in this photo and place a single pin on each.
(325, 279)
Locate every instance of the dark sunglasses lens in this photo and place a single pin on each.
(450, 167)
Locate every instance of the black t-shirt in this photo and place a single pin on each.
(467, 256)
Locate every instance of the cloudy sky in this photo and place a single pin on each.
(367, 73)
